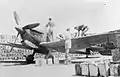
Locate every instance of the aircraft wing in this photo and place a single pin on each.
(57, 45)
(15, 45)
(89, 41)
(53, 44)
(82, 42)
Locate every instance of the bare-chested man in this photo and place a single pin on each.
(81, 28)
(50, 25)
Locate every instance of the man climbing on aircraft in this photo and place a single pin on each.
(81, 30)
(60, 36)
(50, 25)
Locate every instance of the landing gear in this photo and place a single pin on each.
(86, 56)
(87, 52)
(29, 59)
(49, 56)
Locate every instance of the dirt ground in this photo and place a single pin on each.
(31, 70)
(9, 70)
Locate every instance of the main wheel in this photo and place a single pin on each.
(29, 59)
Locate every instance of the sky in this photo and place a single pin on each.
(99, 15)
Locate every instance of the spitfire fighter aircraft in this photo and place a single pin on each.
(30, 41)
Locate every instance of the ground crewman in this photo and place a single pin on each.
(50, 25)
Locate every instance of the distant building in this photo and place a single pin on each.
(16, 53)
(8, 38)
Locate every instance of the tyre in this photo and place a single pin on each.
(29, 59)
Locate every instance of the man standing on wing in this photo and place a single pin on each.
(81, 30)
(50, 31)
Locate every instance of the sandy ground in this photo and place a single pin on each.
(37, 71)
(31, 70)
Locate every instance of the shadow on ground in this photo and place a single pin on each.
(14, 63)
(85, 57)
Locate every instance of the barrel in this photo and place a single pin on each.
(50, 61)
(78, 70)
(40, 62)
(93, 69)
(56, 60)
(102, 69)
(85, 69)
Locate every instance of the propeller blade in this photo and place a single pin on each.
(17, 19)
(30, 26)
(11, 49)
(14, 42)
(16, 38)
(36, 31)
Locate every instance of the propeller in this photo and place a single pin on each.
(17, 20)
(14, 42)
(29, 26)
(16, 17)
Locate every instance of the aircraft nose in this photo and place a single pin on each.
(19, 30)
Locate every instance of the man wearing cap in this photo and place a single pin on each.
(50, 25)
